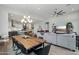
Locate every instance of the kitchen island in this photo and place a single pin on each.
(64, 40)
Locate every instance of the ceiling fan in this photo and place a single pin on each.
(58, 12)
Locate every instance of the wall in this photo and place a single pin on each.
(17, 26)
(42, 24)
(62, 20)
(72, 17)
(3, 22)
(4, 19)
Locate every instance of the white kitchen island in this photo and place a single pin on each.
(63, 40)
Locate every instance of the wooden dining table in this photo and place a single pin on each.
(30, 42)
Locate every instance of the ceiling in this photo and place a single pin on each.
(42, 11)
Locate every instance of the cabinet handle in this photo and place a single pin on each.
(72, 36)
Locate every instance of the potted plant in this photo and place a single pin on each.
(69, 27)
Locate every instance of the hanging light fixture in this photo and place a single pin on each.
(24, 16)
(26, 19)
(23, 21)
(29, 19)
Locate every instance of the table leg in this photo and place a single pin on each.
(43, 45)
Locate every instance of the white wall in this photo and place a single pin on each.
(3, 22)
(36, 26)
(62, 20)
(4, 19)
(72, 17)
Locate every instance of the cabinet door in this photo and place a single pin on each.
(53, 38)
(67, 40)
(71, 42)
(50, 37)
(47, 37)
(61, 40)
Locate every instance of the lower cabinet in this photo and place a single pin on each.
(64, 40)
(67, 41)
(39, 34)
(50, 37)
(71, 42)
(61, 41)
(47, 37)
(53, 38)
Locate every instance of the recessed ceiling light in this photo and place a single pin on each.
(38, 8)
(72, 9)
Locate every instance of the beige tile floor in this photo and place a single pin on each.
(54, 50)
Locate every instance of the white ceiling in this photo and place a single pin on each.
(42, 11)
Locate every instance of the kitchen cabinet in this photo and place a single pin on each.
(39, 34)
(71, 42)
(59, 40)
(50, 37)
(67, 41)
(53, 38)
(47, 37)
(64, 40)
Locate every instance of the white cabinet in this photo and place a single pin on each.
(39, 34)
(53, 38)
(47, 37)
(64, 40)
(71, 42)
(67, 40)
(61, 40)
(50, 37)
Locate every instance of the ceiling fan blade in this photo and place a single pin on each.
(63, 12)
(60, 11)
